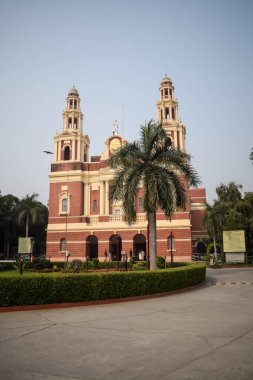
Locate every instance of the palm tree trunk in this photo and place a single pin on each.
(27, 226)
(215, 248)
(152, 240)
(8, 249)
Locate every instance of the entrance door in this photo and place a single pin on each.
(115, 247)
(92, 247)
(201, 247)
(139, 244)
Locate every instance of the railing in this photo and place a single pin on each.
(94, 219)
(115, 218)
(141, 218)
(118, 218)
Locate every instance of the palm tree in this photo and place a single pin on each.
(28, 211)
(162, 171)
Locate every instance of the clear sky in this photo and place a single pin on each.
(116, 52)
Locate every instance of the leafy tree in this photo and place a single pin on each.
(213, 221)
(229, 193)
(162, 171)
(8, 204)
(231, 211)
(28, 211)
(38, 231)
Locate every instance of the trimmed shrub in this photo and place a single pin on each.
(160, 262)
(140, 265)
(41, 263)
(7, 266)
(80, 287)
(133, 259)
(59, 264)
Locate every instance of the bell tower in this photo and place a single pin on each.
(71, 145)
(167, 114)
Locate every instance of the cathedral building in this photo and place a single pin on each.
(82, 219)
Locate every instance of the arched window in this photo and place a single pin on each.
(64, 205)
(141, 203)
(95, 205)
(66, 153)
(171, 243)
(63, 244)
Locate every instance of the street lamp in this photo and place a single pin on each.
(147, 248)
(171, 237)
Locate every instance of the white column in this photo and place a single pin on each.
(87, 199)
(73, 149)
(79, 150)
(176, 112)
(181, 140)
(59, 150)
(102, 197)
(106, 197)
(175, 138)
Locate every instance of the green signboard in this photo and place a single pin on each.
(25, 245)
(234, 241)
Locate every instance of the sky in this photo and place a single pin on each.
(116, 53)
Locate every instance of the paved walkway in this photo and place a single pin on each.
(205, 333)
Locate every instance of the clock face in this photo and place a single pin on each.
(114, 145)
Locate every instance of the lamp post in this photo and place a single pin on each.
(171, 237)
(47, 152)
(148, 252)
(67, 254)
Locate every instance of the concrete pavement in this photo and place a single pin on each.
(204, 333)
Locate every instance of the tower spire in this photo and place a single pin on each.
(71, 144)
(167, 113)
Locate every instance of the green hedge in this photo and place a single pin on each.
(60, 288)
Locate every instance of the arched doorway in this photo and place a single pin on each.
(115, 247)
(201, 247)
(92, 247)
(67, 153)
(139, 244)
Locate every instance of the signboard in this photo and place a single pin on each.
(234, 241)
(25, 245)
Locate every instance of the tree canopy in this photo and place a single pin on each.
(19, 218)
(230, 211)
(163, 172)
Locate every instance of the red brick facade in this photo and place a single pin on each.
(81, 218)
